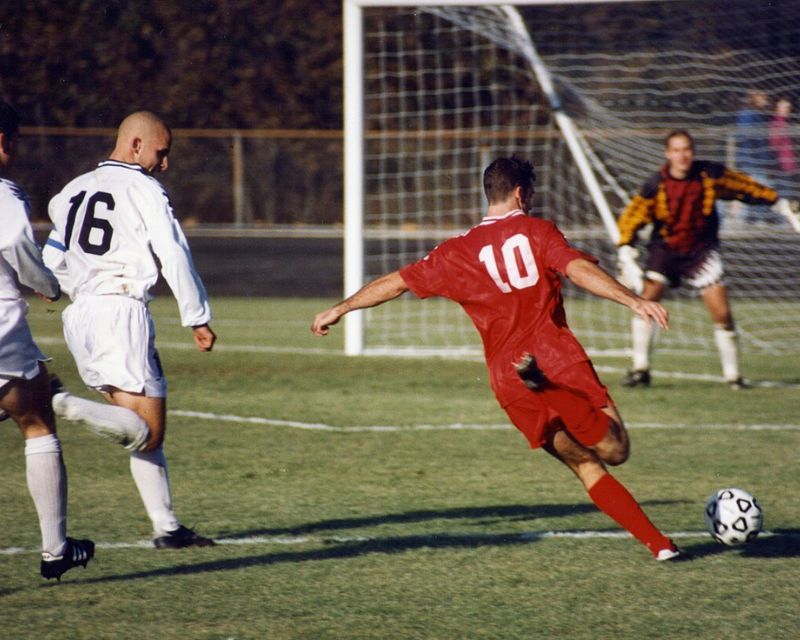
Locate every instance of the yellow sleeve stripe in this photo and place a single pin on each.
(744, 185)
(637, 214)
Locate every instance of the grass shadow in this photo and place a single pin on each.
(487, 515)
(782, 543)
(391, 545)
(339, 549)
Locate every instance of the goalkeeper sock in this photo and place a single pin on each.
(118, 424)
(613, 499)
(149, 471)
(47, 484)
(643, 335)
(726, 340)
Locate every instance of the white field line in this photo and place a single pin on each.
(527, 536)
(234, 348)
(333, 351)
(315, 426)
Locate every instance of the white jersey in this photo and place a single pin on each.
(107, 224)
(20, 264)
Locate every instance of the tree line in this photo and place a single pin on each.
(203, 63)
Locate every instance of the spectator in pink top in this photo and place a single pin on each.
(780, 138)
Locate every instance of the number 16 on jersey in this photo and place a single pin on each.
(95, 233)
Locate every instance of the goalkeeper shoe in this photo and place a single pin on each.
(633, 378)
(530, 373)
(180, 538)
(76, 554)
(739, 383)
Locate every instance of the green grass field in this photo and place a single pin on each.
(331, 527)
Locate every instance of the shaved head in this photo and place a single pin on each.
(143, 138)
(140, 123)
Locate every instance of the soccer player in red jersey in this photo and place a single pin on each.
(506, 274)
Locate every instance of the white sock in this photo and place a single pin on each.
(118, 424)
(642, 335)
(149, 471)
(47, 483)
(726, 340)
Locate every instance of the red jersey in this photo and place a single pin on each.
(505, 273)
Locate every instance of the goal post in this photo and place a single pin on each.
(436, 90)
(354, 135)
(353, 170)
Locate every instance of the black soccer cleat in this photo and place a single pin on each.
(530, 373)
(636, 378)
(56, 386)
(739, 383)
(77, 554)
(180, 538)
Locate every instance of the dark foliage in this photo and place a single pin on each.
(207, 64)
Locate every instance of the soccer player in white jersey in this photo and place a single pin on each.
(107, 224)
(24, 382)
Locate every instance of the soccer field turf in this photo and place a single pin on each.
(389, 498)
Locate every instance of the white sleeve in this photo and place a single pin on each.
(22, 253)
(170, 246)
(55, 260)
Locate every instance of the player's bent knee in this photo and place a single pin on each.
(615, 455)
(614, 448)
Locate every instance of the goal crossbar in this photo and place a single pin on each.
(586, 90)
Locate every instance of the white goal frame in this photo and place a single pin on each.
(354, 138)
(586, 89)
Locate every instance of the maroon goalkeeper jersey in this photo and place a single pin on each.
(505, 273)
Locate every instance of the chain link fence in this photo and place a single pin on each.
(231, 177)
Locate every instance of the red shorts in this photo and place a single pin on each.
(573, 402)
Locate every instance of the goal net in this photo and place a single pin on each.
(587, 91)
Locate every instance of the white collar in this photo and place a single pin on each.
(513, 212)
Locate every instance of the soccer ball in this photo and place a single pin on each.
(733, 516)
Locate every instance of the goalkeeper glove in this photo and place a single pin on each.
(629, 272)
(788, 210)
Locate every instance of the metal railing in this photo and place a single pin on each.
(216, 176)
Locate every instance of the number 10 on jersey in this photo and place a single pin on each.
(515, 251)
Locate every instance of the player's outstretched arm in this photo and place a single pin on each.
(589, 276)
(380, 290)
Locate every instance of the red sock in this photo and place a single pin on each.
(615, 501)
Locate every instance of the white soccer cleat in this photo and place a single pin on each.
(668, 554)
(119, 425)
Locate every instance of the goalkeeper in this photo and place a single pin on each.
(505, 273)
(680, 203)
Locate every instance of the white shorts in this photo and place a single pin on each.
(709, 273)
(19, 355)
(112, 339)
